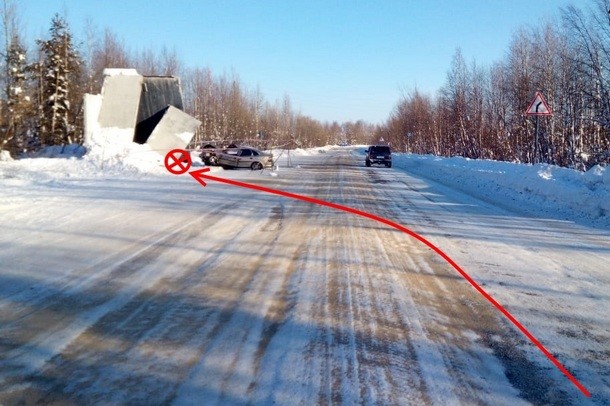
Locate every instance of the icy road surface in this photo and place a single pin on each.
(155, 290)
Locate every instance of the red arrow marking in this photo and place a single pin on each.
(199, 175)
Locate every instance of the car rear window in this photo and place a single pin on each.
(380, 150)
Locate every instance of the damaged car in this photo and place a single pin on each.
(245, 157)
(209, 154)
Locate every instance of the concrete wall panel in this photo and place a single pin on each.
(121, 94)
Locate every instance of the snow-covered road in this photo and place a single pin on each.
(155, 290)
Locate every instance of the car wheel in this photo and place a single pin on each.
(213, 160)
(256, 166)
(368, 163)
(389, 164)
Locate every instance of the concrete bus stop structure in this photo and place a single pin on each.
(146, 109)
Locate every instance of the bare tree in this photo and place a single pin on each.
(146, 63)
(170, 62)
(589, 38)
(479, 113)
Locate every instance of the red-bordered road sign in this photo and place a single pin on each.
(178, 161)
(538, 107)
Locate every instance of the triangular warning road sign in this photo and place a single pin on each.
(538, 107)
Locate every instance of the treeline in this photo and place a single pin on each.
(480, 112)
(230, 112)
(42, 93)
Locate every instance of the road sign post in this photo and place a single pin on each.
(536, 143)
(538, 107)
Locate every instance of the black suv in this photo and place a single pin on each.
(379, 154)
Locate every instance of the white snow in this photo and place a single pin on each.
(120, 71)
(5, 156)
(541, 190)
(514, 244)
(92, 104)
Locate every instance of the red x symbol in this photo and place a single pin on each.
(178, 161)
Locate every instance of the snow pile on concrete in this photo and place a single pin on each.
(112, 152)
(120, 71)
(542, 189)
(5, 156)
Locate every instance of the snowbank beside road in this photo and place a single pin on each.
(108, 155)
(283, 153)
(540, 190)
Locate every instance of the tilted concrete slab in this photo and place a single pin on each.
(174, 130)
(121, 98)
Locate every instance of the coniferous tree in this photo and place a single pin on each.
(57, 73)
(12, 78)
(17, 99)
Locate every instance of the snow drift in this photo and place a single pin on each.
(540, 190)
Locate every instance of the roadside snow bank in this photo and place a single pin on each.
(60, 151)
(301, 151)
(111, 151)
(109, 154)
(542, 190)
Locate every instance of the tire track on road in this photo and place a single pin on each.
(71, 309)
(467, 329)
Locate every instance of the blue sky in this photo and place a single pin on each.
(337, 60)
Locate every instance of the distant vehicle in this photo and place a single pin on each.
(379, 154)
(209, 154)
(245, 157)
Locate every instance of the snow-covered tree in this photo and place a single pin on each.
(57, 75)
(17, 98)
(14, 97)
